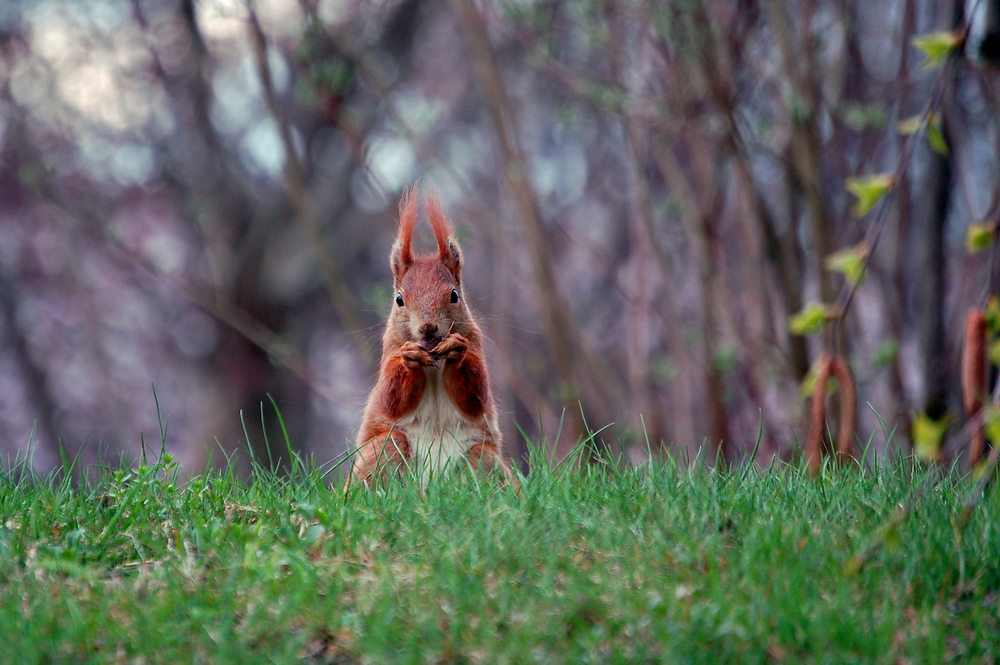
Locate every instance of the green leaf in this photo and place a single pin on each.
(991, 425)
(850, 262)
(911, 125)
(808, 385)
(869, 190)
(927, 436)
(810, 320)
(936, 137)
(980, 236)
(993, 352)
(991, 314)
(937, 46)
(860, 117)
(885, 353)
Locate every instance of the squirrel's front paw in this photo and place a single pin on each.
(414, 356)
(452, 347)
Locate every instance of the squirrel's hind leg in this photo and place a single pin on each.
(383, 453)
(485, 458)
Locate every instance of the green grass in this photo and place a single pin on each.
(655, 564)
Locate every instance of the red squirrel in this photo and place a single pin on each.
(432, 404)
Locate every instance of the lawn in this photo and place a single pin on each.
(603, 564)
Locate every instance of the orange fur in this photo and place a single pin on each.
(486, 458)
(401, 257)
(432, 398)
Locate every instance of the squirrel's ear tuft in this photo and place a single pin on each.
(402, 249)
(448, 250)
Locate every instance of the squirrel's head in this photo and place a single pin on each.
(429, 302)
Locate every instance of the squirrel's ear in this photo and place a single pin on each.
(402, 250)
(448, 250)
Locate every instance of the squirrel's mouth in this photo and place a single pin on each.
(428, 343)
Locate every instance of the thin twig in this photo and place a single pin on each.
(875, 229)
(296, 185)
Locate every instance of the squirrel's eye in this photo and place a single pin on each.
(399, 299)
(454, 295)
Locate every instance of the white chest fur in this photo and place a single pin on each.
(437, 431)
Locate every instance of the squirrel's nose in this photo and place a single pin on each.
(428, 330)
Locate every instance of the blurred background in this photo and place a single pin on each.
(198, 198)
